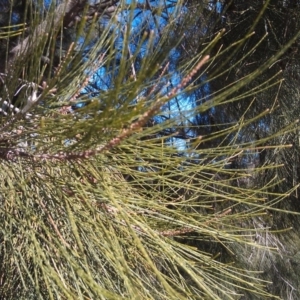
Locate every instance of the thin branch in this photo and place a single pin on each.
(53, 224)
(125, 132)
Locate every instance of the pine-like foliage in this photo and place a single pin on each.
(98, 199)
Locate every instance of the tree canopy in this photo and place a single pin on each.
(149, 149)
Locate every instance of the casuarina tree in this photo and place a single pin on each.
(117, 179)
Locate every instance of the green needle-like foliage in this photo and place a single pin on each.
(103, 203)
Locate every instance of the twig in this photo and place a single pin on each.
(54, 225)
(125, 132)
(160, 76)
(167, 233)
